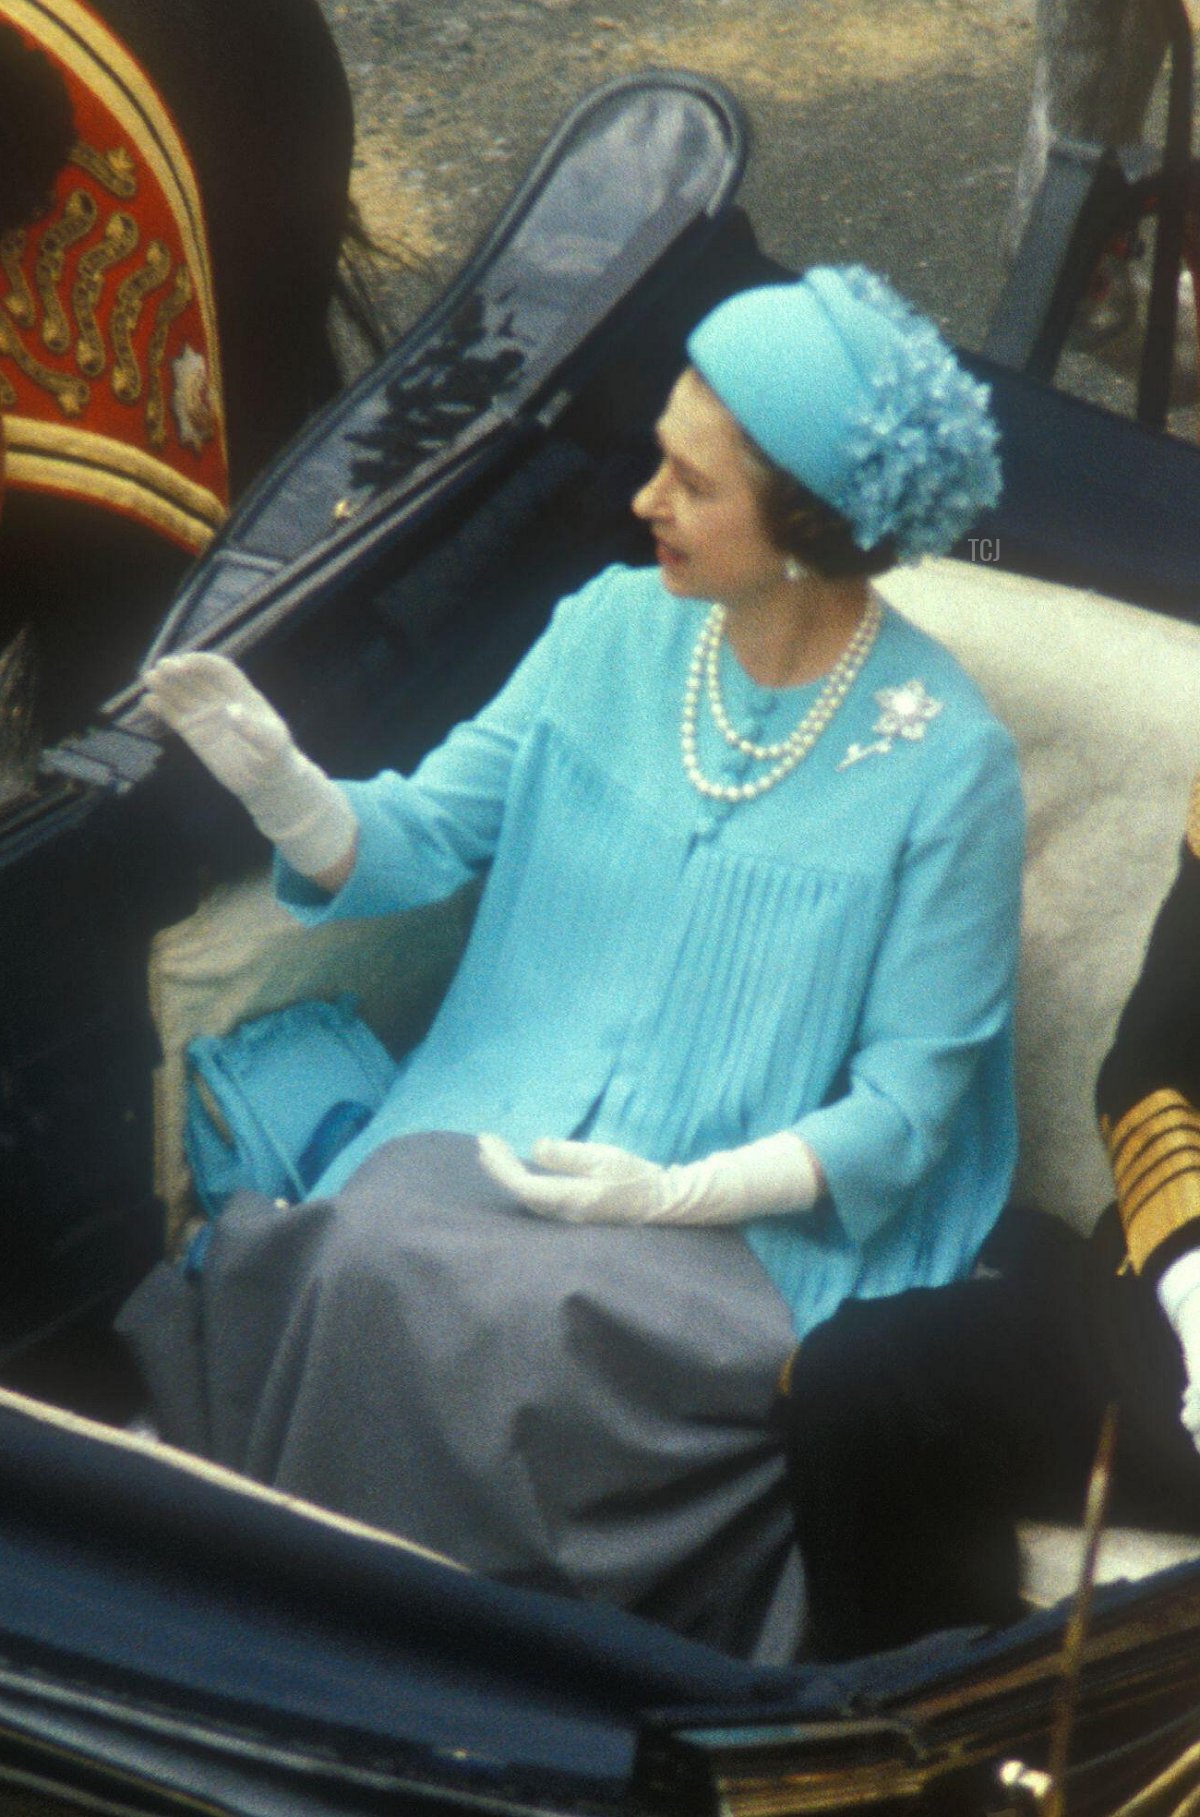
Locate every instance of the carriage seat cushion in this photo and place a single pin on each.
(241, 955)
(1052, 1557)
(1104, 702)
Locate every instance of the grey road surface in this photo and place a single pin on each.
(883, 130)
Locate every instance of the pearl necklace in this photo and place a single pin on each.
(785, 755)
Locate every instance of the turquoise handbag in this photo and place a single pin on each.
(272, 1103)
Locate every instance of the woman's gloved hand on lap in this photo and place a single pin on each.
(236, 732)
(1179, 1297)
(595, 1183)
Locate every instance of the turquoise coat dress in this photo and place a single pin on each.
(676, 975)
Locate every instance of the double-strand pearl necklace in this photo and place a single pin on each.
(788, 752)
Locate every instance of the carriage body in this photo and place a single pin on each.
(380, 581)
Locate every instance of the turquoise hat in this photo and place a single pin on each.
(843, 385)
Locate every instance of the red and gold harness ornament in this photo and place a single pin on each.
(110, 373)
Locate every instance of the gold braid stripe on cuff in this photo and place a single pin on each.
(1155, 1153)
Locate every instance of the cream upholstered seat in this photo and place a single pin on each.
(1104, 702)
(241, 955)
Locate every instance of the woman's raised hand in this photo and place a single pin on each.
(232, 728)
(237, 734)
(595, 1183)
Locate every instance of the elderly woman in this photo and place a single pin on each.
(731, 1039)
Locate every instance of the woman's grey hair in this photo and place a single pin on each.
(801, 524)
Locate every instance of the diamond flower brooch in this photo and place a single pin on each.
(906, 713)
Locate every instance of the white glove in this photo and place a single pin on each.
(1179, 1297)
(594, 1183)
(238, 734)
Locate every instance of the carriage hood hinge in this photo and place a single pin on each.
(103, 758)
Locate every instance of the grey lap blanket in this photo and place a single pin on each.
(581, 1409)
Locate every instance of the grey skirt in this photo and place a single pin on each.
(580, 1409)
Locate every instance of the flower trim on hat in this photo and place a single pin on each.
(922, 461)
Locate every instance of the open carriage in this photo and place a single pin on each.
(171, 1637)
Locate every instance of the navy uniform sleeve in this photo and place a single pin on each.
(1148, 1089)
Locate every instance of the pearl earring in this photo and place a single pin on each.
(793, 569)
